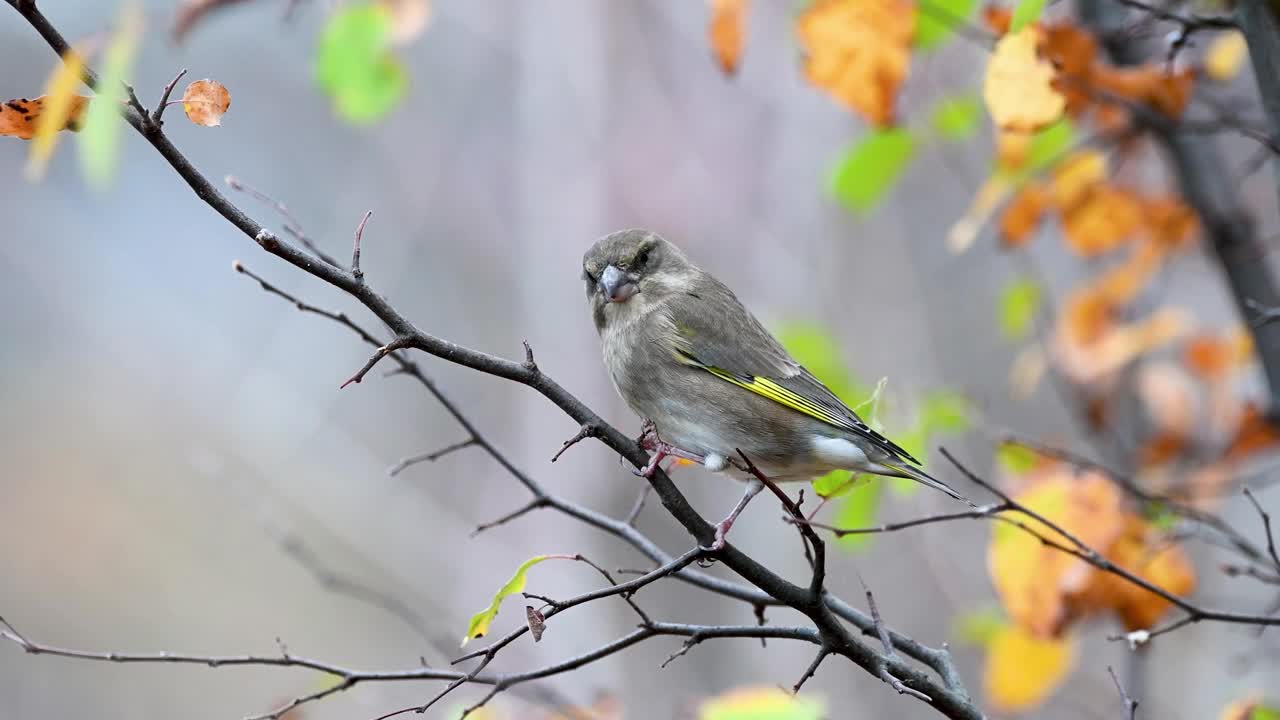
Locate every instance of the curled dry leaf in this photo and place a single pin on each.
(537, 623)
(205, 102)
(859, 52)
(18, 118)
(726, 32)
(1019, 84)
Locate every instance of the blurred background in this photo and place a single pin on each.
(168, 431)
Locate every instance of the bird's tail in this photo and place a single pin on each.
(914, 473)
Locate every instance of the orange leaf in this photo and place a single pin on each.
(1149, 84)
(1073, 52)
(1101, 220)
(1037, 583)
(1018, 86)
(726, 31)
(1021, 669)
(1171, 223)
(18, 117)
(1253, 435)
(1076, 176)
(997, 18)
(1209, 356)
(205, 101)
(1023, 215)
(1145, 553)
(859, 52)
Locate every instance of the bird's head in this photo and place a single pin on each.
(631, 267)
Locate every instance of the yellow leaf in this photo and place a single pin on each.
(726, 32)
(752, 703)
(859, 52)
(479, 625)
(1225, 56)
(1037, 584)
(205, 101)
(1101, 220)
(61, 109)
(1076, 175)
(1022, 669)
(1018, 87)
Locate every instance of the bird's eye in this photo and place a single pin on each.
(642, 257)
(586, 275)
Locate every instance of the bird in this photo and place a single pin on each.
(712, 384)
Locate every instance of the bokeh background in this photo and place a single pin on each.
(165, 425)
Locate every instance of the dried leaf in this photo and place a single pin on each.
(1076, 176)
(60, 109)
(1170, 223)
(537, 622)
(18, 117)
(1147, 554)
(1037, 583)
(1023, 215)
(205, 101)
(726, 33)
(859, 52)
(1166, 92)
(1254, 434)
(1102, 220)
(1073, 51)
(1022, 670)
(1225, 55)
(1018, 87)
(997, 18)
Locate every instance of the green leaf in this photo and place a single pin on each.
(1265, 713)
(838, 483)
(857, 510)
(944, 412)
(815, 348)
(1025, 13)
(100, 136)
(354, 64)
(978, 627)
(956, 118)
(937, 19)
(1049, 145)
(1160, 515)
(870, 168)
(1014, 458)
(479, 625)
(1019, 305)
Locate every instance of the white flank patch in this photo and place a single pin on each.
(839, 452)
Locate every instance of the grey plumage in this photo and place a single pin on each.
(684, 353)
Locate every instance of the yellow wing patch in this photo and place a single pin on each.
(783, 396)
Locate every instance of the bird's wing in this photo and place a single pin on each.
(715, 333)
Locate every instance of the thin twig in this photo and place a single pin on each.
(157, 115)
(356, 272)
(1130, 705)
(432, 456)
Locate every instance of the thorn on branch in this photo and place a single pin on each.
(813, 668)
(356, 272)
(534, 504)
(758, 609)
(411, 460)
(398, 344)
(588, 430)
(529, 363)
(889, 654)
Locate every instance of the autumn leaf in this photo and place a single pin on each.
(1225, 55)
(1251, 708)
(1022, 669)
(60, 109)
(760, 703)
(1101, 221)
(1036, 583)
(726, 32)
(100, 139)
(1022, 216)
(1168, 395)
(1153, 85)
(1145, 553)
(1018, 87)
(205, 102)
(1076, 176)
(18, 117)
(859, 52)
(1073, 52)
(479, 625)
(1169, 222)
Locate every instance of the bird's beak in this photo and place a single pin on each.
(616, 286)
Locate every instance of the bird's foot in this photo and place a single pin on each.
(722, 528)
(648, 435)
(662, 451)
